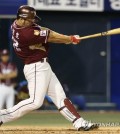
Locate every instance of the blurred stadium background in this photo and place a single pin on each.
(89, 72)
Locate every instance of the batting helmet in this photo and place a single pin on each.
(27, 12)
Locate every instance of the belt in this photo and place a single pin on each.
(44, 60)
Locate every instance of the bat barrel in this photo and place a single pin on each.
(110, 32)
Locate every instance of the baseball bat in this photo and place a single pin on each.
(109, 32)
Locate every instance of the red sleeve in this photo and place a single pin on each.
(36, 35)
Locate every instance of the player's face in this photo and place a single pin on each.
(29, 22)
(25, 22)
(5, 58)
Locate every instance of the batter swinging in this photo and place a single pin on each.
(30, 42)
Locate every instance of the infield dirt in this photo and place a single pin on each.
(55, 130)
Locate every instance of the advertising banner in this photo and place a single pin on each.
(9, 7)
(68, 5)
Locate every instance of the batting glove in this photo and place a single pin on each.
(75, 39)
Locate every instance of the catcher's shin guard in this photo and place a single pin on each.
(68, 110)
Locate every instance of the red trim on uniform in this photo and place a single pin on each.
(71, 108)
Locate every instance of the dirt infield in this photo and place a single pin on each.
(54, 123)
(55, 130)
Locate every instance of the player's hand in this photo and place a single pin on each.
(75, 39)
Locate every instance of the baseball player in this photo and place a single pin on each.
(30, 42)
(8, 72)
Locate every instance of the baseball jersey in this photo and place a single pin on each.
(30, 43)
(6, 68)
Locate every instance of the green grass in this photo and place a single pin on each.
(56, 119)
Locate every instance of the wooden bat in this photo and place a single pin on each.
(109, 32)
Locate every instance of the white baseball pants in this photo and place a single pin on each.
(41, 81)
(7, 96)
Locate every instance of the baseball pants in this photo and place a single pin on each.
(7, 96)
(41, 81)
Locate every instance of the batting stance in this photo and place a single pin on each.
(8, 73)
(30, 42)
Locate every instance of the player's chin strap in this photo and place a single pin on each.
(68, 110)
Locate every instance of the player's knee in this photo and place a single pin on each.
(60, 103)
(37, 105)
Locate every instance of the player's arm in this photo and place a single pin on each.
(2, 76)
(11, 75)
(8, 76)
(55, 37)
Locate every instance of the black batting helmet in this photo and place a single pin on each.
(27, 12)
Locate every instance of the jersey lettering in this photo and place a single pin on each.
(16, 44)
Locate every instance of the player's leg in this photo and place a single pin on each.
(37, 76)
(65, 106)
(3, 94)
(10, 97)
